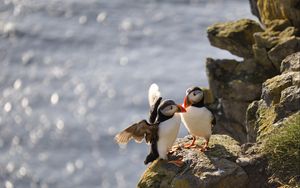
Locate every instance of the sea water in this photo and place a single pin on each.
(75, 72)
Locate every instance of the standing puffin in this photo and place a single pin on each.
(162, 129)
(198, 119)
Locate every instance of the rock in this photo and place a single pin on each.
(291, 63)
(289, 102)
(267, 116)
(251, 123)
(278, 24)
(283, 49)
(263, 125)
(213, 168)
(276, 9)
(208, 96)
(281, 36)
(273, 87)
(245, 161)
(280, 98)
(261, 57)
(253, 161)
(271, 47)
(236, 37)
(229, 127)
(267, 39)
(231, 79)
(235, 110)
(235, 86)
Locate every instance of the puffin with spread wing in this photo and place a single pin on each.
(162, 129)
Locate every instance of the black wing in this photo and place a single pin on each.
(213, 111)
(153, 110)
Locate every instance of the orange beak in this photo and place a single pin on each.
(186, 102)
(181, 109)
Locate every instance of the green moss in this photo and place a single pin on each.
(265, 122)
(283, 151)
(181, 183)
(156, 175)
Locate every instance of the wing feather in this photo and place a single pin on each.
(153, 94)
(137, 131)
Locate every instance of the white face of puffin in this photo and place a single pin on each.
(170, 110)
(195, 96)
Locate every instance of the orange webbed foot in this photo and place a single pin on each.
(178, 162)
(191, 145)
(205, 147)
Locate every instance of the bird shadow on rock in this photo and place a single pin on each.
(219, 151)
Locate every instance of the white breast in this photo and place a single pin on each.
(198, 121)
(167, 132)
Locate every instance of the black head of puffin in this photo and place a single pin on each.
(168, 108)
(194, 97)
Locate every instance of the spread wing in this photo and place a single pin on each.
(138, 132)
(153, 94)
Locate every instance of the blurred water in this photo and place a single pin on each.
(75, 72)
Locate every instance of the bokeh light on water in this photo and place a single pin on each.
(74, 72)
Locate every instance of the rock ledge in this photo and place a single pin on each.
(213, 168)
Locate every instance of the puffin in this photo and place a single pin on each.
(160, 131)
(198, 119)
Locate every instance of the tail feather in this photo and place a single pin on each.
(153, 155)
(150, 158)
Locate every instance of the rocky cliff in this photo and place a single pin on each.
(257, 107)
(237, 83)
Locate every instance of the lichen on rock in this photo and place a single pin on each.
(236, 37)
(280, 98)
(291, 63)
(213, 168)
(276, 9)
